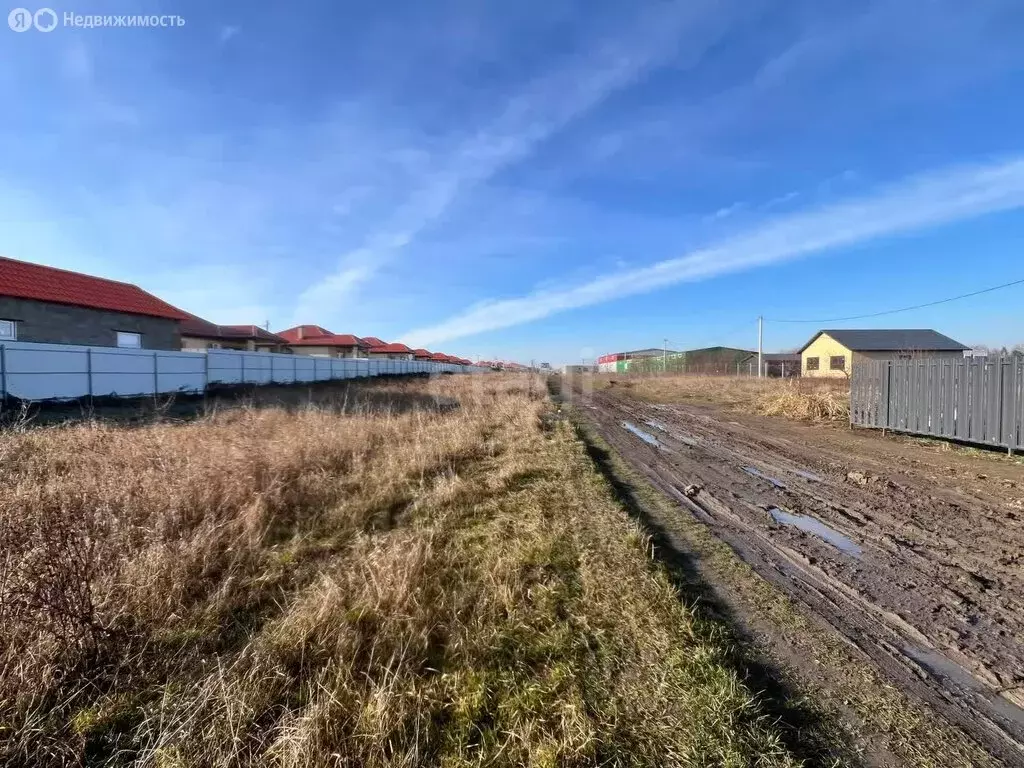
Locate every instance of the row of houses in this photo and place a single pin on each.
(828, 354)
(55, 306)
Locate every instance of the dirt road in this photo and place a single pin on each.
(914, 555)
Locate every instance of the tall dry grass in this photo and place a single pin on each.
(363, 586)
(802, 399)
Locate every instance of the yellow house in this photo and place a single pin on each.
(834, 353)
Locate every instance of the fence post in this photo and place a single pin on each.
(206, 370)
(295, 370)
(3, 371)
(1002, 400)
(888, 395)
(156, 376)
(88, 370)
(243, 370)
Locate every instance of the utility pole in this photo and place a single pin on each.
(760, 346)
(664, 357)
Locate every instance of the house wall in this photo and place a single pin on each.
(930, 355)
(823, 348)
(50, 323)
(189, 343)
(345, 352)
(194, 343)
(316, 351)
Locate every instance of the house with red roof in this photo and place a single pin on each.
(393, 351)
(421, 354)
(198, 334)
(56, 306)
(317, 341)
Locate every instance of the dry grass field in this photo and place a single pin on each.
(434, 576)
(804, 399)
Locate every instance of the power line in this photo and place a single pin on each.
(903, 309)
(745, 325)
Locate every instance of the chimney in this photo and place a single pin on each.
(300, 333)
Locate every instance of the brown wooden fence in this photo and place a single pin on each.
(976, 400)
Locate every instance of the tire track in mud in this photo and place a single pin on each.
(897, 566)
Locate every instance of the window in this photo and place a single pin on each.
(129, 340)
(837, 362)
(8, 330)
(812, 363)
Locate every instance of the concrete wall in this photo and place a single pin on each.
(48, 323)
(63, 371)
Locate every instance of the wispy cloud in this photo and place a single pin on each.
(775, 202)
(726, 211)
(540, 110)
(919, 202)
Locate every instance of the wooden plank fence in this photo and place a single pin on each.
(975, 400)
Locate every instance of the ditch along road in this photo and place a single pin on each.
(915, 556)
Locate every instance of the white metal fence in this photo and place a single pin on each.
(61, 371)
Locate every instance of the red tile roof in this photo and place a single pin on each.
(392, 349)
(254, 332)
(373, 341)
(422, 354)
(316, 336)
(204, 329)
(24, 280)
(194, 325)
(439, 357)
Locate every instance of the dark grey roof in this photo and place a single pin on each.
(892, 340)
(781, 357)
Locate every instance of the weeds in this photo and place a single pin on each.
(803, 399)
(365, 586)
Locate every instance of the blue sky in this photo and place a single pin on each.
(548, 180)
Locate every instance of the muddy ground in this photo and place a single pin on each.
(914, 554)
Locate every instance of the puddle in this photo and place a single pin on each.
(944, 668)
(758, 473)
(808, 475)
(657, 425)
(647, 437)
(817, 528)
